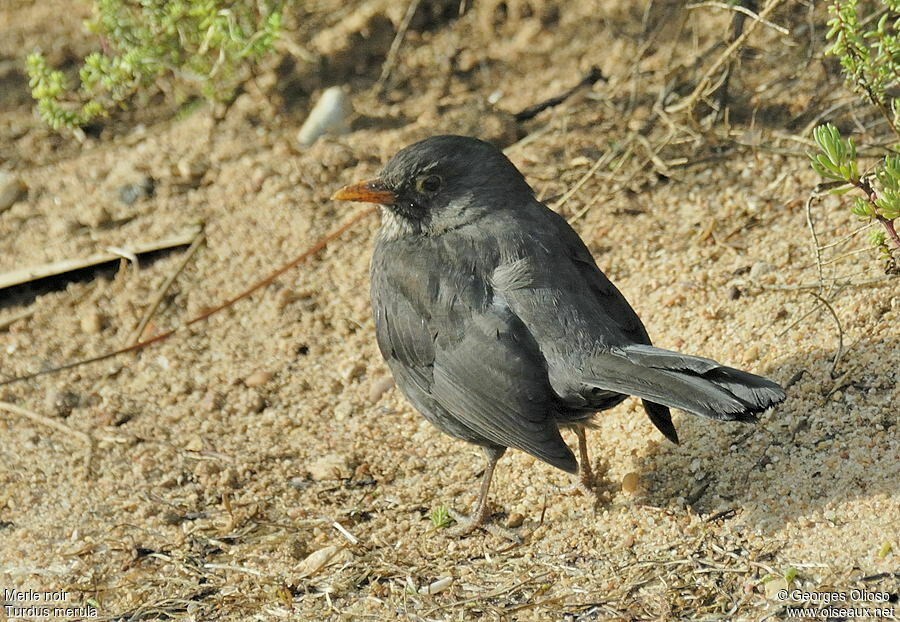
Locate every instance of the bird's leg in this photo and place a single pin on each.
(468, 524)
(585, 471)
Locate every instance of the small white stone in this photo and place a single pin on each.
(330, 115)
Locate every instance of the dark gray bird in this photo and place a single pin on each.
(497, 323)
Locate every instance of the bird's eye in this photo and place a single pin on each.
(429, 184)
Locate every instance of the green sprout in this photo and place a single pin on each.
(440, 517)
(880, 202)
(789, 575)
(869, 53)
(837, 160)
(180, 47)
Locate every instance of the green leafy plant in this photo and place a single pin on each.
(440, 517)
(837, 161)
(869, 52)
(181, 47)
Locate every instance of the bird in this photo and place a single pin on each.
(498, 326)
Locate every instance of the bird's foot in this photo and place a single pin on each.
(466, 525)
(590, 483)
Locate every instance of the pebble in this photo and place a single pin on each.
(515, 520)
(318, 560)
(257, 379)
(61, 402)
(129, 194)
(379, 388)
(12, 189)
(630, 482)
(328, 116)
(195, 443)
(760, 268)
(352, 371)
(91, 322)
(191, 168)
(438, 586)
(342, 411)
(329, 467)
(751, 354)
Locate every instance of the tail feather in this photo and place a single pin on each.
(662, 419)
(695, 384)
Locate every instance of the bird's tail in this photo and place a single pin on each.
(700, 386)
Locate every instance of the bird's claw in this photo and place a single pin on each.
(466, 525)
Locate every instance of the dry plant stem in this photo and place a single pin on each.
(391, 59)
(812, 229)
(46, 421)
(492, 594)
(740, 9)
(888, 224)
(701, 89)
(588, 80)
(56, 425)
(889, 227)
(161, 292)
(837, 321)
(312, 250)
(6, 323)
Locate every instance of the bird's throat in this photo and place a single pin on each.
(394, 225)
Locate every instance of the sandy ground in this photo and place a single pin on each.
(258, 465)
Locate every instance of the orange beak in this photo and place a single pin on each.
(371, 191)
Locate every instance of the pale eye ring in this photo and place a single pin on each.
(429, 184)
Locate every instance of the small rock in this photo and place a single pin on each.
(630, 482)
(92, 216)
(12, 189)
(342, 411)
(257, 379)
(284, 297)
(515, 520)
(751, 354)
(438, 586)
(254, 403)
(195, 443)
(91, 322)
(580, 161)
(318, 560)
(212, 402)
(760, 268)
(379, 388)
(328, 116)
(353, 371)
(61, 402)
(129, 194)
(329, 466)
(191, 169)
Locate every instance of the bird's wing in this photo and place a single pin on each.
(594, 341)
(570, 307)
(468, 356)
(494, 380)
(553, 286)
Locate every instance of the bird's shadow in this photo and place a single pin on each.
(828, 443)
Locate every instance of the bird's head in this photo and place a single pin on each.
(441, 183)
